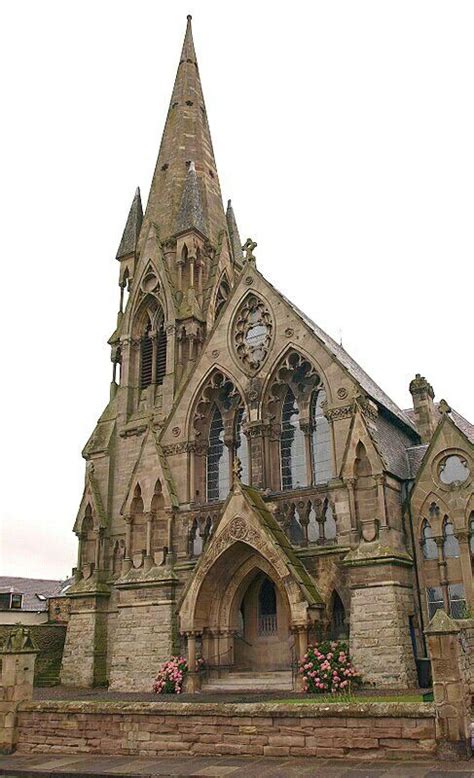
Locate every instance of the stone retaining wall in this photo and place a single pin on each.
(385, 730)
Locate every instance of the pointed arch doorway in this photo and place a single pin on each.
(263, 641)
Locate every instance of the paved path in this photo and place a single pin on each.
(87, 766)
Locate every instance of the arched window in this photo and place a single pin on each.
(267, 608)
(428, 544)
(338, 618)
(242, 444)
(321, 439)
(471, 533)
(137, 515)
(293, 452)
(450, 541)
(218, 460)
(152, 355)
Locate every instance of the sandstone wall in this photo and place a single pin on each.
(384, 730)
(49, 638)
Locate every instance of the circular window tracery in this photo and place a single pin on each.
(253, 333)
(453, 470)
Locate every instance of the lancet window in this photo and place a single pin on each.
(292, 446)
(428, 543)
(219, 426)
(450, 541)
(297, 403)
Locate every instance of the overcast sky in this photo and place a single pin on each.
(343, 132)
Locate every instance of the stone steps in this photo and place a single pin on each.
(246, 681)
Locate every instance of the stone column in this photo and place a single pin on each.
(466, 566)
(148, 561)
(451, 690)
(127, 560)
(192, 680)
(18, 669)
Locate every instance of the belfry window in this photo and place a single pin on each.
(293, 455)
(152, 356)
(146, 365)
(428, 544)
(242, 444)
(321, 439)
(218, 460)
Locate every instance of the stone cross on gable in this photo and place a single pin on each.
(248, 247)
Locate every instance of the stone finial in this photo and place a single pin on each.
(443, 407)
(19, 641)
(248, 247)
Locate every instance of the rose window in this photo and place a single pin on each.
(253, 333)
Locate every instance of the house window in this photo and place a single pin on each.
(293, 458)
(17, 600)
(457, 601)
(321, 439)
(450, 541)
(9, 601)
(428, 544)
(435, 599)
(218, 460)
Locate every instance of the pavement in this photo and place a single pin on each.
(86, 766)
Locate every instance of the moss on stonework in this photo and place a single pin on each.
(376, 553)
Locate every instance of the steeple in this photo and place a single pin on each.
(186, 138)
(128, 244)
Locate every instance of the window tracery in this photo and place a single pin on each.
(450, 541)
(292, 445)
(253, 333)
(219, 426)
(454, 470)
(428, 544)
(321, 439)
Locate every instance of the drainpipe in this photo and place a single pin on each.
(407, 488)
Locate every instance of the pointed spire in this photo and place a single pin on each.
(191, 213)
(186, 137)
(235, 242)
(128, 244)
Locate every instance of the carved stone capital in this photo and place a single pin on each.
(338, 413)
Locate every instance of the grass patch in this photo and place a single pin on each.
(323, 699)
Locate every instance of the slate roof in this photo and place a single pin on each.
(30, 588)
(365, 381)
(415, 456)
(464, 425)
(392, 442)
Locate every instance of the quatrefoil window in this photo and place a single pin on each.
(253, 332)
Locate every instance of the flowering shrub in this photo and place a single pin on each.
(171, 675)
(326, 667)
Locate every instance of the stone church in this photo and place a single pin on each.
(248, 487)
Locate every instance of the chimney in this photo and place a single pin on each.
(425, 412)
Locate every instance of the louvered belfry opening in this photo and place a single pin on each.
(146, 367)
(161, 355)
(153, 356)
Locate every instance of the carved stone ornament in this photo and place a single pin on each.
(249, 280)
(176, 431)
(215, 353)
(289, 332)
(342, 393)
(238, 529)
(253, 329)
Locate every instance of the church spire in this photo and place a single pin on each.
(186, 138)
